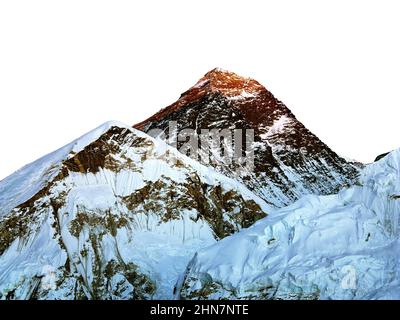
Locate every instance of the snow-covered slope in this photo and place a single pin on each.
(115, 214)
(27, 181)
(289, 160)
(343, 246)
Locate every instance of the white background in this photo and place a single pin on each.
(68, 66)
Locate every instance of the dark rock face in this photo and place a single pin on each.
(289, 160)
(381, 156)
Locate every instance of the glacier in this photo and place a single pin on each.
(342, 246)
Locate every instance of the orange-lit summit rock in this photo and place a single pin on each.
(289, 159)
(218, 81)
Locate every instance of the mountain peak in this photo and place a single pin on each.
(228, 83)
(224, 100)
(222, 75)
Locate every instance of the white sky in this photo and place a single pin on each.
(68, 66)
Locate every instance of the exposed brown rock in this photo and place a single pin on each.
(222, 99)
(213, 204)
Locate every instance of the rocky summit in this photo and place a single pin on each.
(289, 160)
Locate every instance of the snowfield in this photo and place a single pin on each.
(343, 246)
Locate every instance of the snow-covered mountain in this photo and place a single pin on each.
(289, 160)
(117, 214)
(343, 246)
(113, 215)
